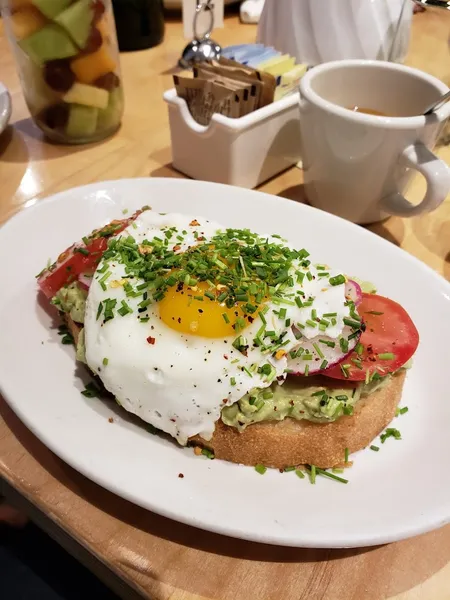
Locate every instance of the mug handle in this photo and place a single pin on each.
(437, 176)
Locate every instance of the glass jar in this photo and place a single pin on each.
(68, 62)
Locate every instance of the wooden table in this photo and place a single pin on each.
(128, 547)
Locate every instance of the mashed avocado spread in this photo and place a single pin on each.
(298, 398)
(71, 299)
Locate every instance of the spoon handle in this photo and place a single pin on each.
(437, 104)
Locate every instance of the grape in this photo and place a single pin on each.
(58, 75)
(108, 82)
(98, 9)
(55, 116)
(94, 41)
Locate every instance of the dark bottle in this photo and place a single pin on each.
(139, 23)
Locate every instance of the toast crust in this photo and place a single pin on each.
(280, 444)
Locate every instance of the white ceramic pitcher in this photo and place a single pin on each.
(317, 31)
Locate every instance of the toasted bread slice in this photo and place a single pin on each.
(285, 443)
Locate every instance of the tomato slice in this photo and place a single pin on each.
(388, 342)
(80, 258)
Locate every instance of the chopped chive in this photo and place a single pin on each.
(200, 298)
(352, 323)
(390, 432)
(262, 317)
(312, 474)
(99, 311)
(225, 318)
(267, 395)
(342, 398)
(261, 469)
(325, 473)
(359, 348)
(288, 469)
(386, 356)
(311, 323)
(91, 390)
(328, 343)
(104, 277)
(210, 295)
(323, 365)
(404, 410)
(338, 280)
(330, 315)
(298, 301)
(374, 312)
(343, 344)
(306, 373)
(344, 369)
(318, 350)
(346, 455)
(374, 448)
(300, 473)
(105, 361)
(82, 250)
(208, 453)
(314, 314)
(233, 380)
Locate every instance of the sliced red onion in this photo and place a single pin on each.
(85, 281)
(333, 355)
(353, 292)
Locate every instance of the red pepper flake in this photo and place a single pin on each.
(194, 223)
(151, 340)
(110, 420)
(176, 248)
(180, 475)
(225, 356)
(200, 238)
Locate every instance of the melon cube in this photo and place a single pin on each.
(90, 67)
(88, 95)
(26, 22)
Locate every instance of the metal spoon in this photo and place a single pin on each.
(202, 47)
(437, 103)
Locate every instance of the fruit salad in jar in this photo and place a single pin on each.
(66, 52)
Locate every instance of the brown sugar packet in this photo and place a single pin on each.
(215, 99)
(248, 102)
(236, 76)
(204, 98)
(268, 80)
(189, 89)
(218, 99)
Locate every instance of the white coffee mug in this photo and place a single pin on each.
(357, 165)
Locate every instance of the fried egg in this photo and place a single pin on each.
(177, 358)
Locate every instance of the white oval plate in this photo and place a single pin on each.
(400, 491)
(5, 107)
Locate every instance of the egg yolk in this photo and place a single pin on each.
(180, 309)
